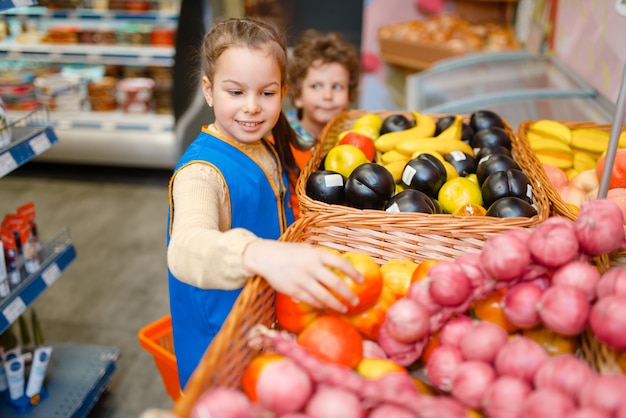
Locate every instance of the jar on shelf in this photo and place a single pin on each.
(138, 5)
(61, 34)
(102, 95)
(134, 95)
(162, 36)
(17, 90)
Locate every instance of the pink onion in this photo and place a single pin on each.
(520, 357)
(442, 366)
(419, 292)
(564, 309)
(579, 274)
(332, 402)
(449, 286)
(605, 392)
(482, 341)
(453, 330)
(608, 321)
(505, 397)
(404, 354)
(522, 234)
(613, 281)
(589, 413)
(472, 267)
(371, 349)
(547, 403)
(222, 402)
(553, 242)
(505, 257)
(566, 373)
(407, 321)
(283, 387)
(470, 382)
(600, 227)
(519, 304)
(388, 410)
(440, 407)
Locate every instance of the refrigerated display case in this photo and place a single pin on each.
(517, 85)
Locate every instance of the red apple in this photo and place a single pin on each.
(364, 143)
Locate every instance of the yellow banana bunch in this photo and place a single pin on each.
(442, 146)
(391, 156)
(547, 128)
(454, 131)
(424, 127)
(396, 168)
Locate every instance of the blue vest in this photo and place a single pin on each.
(256, 205)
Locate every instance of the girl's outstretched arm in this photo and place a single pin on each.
(302, 271)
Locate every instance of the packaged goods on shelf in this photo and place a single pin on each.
(134, 95)
(61, 92)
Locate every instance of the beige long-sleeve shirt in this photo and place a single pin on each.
(204, 251)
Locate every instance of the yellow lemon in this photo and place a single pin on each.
(459, 192)
(473, 177)
(369, 119)
(397, 274)
(374, 368)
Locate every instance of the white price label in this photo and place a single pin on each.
(51, 274)
(7, 163)
(14, 310)
(40, 143)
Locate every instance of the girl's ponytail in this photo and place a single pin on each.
(284, 136)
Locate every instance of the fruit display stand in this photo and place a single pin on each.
(441, 235)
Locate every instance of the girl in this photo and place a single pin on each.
(229, 195)
(323, 80)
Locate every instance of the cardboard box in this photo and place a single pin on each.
(417, 55)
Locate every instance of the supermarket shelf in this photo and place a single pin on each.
(55, 256)
(10, 4)
(32, 134)
(92, 15)
(88, 53)
(77, 375)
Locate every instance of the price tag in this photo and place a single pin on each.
(7, 163)
(40, 143)
(51, 274)
(14, 310)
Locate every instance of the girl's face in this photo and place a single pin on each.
(324, 95)
(246, 93)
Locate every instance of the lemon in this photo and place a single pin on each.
(459, 192)
(473, 177)
(368, 124)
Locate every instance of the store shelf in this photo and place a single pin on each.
(55, 256)
(90, 54)
(10, 4)
(93, 14)
(32, 135)
(77, 375)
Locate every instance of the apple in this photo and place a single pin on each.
(344, 158)
(326, 186)
(369, 186)
(364, 143)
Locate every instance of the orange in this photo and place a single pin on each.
(555, 344)
(433, 343)
(470, 209)
(331, 339)
(369, 321)
(422, 269)
(374, 368)
(491, 309)
(367, 291)
(293, 316)
(423, 387)
(251, 373)
(618, 174)
(397, 275)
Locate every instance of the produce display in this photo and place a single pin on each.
(446, 165)
(492, 333)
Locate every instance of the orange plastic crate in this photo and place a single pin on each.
(156, 338)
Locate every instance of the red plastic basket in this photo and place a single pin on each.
(156, 338)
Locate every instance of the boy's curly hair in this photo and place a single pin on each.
(313, 46)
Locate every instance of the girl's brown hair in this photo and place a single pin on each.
(252, 33)
(312, 47)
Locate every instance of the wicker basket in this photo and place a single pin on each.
(559, 207)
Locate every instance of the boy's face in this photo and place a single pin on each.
(325, 93)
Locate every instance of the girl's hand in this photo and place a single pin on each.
(302, 271)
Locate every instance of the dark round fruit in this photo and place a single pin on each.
(411, 200)
(511, 207)
(492, 149)
(444, 123)
(467, 134)
(463, 163)
(506, 183)
(425, 173)
(369, 186)
(395, 122)
(326, 186)
(493, 163)
(492, 136)
(482, 119)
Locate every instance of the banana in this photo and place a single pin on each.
(551, 129)
(583, 162)
(549, 144)
(391, 156)
(424, 127)
(561, 160)
(454, 131)
(396, 168)
(590, 139)
(433, 153)
(442, 146)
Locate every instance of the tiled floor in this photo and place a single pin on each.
(117, 284)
